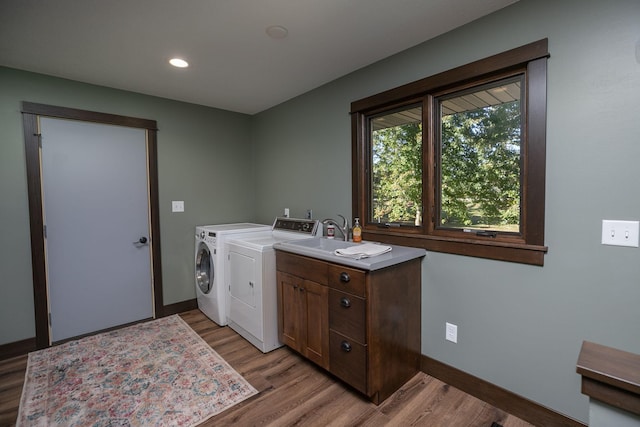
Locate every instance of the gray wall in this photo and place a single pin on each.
(519, 326)
(204, 158)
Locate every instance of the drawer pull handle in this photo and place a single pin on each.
(345, 302)
(346, 347)
(344, 277)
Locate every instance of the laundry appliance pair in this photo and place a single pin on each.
(235, 275)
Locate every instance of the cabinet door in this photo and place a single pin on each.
(290, 314)
(316, 308)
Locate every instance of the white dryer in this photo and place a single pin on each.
(252, 305)
(209, 265)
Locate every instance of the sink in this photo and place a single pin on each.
(321, 244)
(324, 249)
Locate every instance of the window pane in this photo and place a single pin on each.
(396, 167)
(481, 158)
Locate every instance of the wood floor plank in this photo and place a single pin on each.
(11, 380)
(294, 392)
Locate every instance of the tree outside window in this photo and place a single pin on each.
(396, 141)
(480, 157)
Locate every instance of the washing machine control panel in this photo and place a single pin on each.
(209, 237)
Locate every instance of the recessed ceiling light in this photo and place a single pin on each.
(277, 32)
(177, 62)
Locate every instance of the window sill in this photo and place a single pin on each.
(480, 248)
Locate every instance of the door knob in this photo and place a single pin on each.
(141, 241)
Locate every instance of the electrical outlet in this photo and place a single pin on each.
(309, 214)
(286, 212)
(620, 233)
(451, 333)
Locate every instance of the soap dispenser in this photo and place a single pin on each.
(357, 231)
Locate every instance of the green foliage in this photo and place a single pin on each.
(397, 172)
(480, 169)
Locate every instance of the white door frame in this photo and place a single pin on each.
(30, 114)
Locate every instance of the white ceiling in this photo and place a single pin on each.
(235, 66)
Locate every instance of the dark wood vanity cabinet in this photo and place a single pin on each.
(362, 326)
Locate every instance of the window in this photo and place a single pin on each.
(396, 165)
(456, 162)
(478, 157)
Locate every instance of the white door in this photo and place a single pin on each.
(96, 213)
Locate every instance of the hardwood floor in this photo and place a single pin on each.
(293, 391)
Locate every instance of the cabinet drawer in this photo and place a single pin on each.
(347, 279)
(347, 315)
(348, 361)
(308, 268)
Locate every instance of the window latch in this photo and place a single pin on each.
(487, 233)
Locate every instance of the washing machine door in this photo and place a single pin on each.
(204, 268)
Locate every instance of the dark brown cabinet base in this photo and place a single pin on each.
(362, 326)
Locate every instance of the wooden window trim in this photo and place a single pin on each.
(527, 248)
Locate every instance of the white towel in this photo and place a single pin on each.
(364, 250)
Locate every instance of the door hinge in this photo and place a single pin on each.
(49, 319)
(44, 231)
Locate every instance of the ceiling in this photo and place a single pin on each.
(234, 64)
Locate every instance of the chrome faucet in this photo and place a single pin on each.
(344, 228)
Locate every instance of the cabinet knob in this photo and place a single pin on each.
(344, 277)
(345, 302)
(345, 346)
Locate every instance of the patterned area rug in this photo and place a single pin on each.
(158, 373)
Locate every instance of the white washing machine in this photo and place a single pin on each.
(252, 307)
(209, 265)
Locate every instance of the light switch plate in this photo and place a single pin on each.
(177, 206)
(620, 233)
